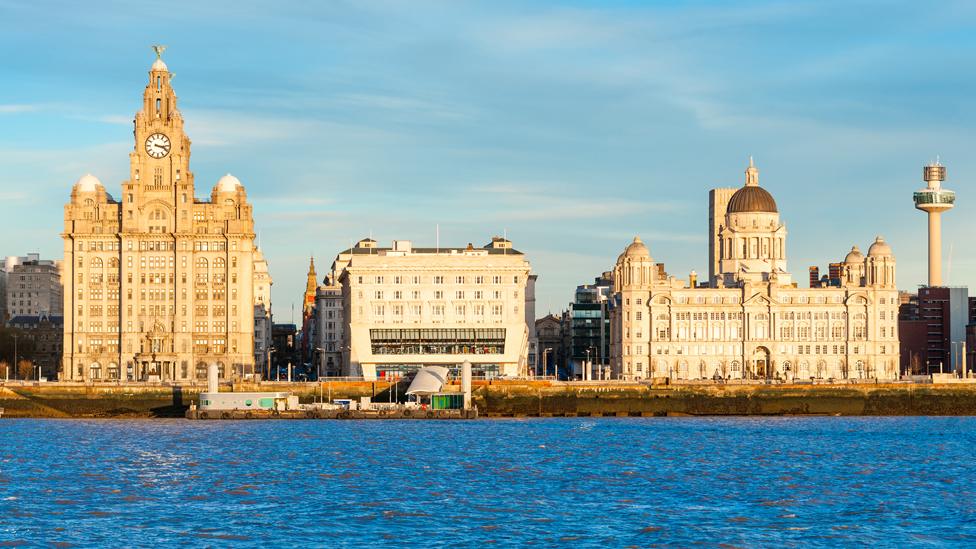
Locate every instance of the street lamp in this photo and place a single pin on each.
(267, 367)
(318, 365)
(545, 362)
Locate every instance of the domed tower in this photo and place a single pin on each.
(934, 200)
(753, 241)
(853, 273)
(633, 278)
(880, 265)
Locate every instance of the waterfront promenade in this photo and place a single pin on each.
(522, 398)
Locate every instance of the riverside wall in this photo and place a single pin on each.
(519, 398)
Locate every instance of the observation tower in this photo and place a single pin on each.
(934, 200)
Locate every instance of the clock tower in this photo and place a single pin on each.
(159, 164)
(159, 284)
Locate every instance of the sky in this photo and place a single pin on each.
(569, 126)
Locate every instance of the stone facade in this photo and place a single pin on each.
(751, 320)
(159, 284)
(409, 307)
(329, 324)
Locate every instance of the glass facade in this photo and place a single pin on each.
(438, 341)
(935, 197)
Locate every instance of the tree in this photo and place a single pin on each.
(5, 368)
(25, 369)
(915, 364)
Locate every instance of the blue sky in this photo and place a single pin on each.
(572, 126)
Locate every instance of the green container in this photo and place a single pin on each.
(447, 401)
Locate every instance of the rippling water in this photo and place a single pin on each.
(579, 482)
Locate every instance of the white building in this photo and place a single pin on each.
(408, 307)
(750, 320)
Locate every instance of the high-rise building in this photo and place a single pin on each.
(718, 203)
(753, 321)
(262, 314)
(932, 327)
(407, 307)
(32, 287)
(158, 283)
(815, 276)
(329, 325)
(589, 312)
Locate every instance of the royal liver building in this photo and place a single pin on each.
(157, 283)
(749, 320)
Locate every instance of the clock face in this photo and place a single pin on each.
(157, 145)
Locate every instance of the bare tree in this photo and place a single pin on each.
(25, 368)
(915, 364)
(5, 368)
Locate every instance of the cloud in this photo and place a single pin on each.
(17, 109)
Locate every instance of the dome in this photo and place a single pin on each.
(228, 184)
(854, 256)
(751, 199)
(880, 247)
(637, 249)
(158, 65)
(88, 183)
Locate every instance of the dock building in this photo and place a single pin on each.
(750, 320)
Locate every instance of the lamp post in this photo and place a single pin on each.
(267, 366)
(318, 363)
(545, 362)
(15, 353)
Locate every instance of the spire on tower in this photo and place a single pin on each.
(752, 174)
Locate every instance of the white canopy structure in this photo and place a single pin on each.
(429, 380)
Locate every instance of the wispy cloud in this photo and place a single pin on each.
(17, 109)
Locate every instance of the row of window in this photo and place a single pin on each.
(437, 309)
(95, 345)
(397, 295)
(436, 279)
(156, 245)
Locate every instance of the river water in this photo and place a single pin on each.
(543, 482)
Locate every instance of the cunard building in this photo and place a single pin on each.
(158, 284)
(749, 320)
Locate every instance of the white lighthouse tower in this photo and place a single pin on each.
(934, 200)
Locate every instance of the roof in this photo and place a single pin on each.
(33, 321)
(752, 198)
(429, 380)
(458, 251)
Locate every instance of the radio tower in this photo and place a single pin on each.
(934, 200)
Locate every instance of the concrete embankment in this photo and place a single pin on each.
(521, 398)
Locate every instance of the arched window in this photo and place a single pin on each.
(201, 269)
(113, 263)
(95, 371)
(219, 266)
(96, 263)
(113, 371)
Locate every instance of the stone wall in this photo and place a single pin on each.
(517, 398)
